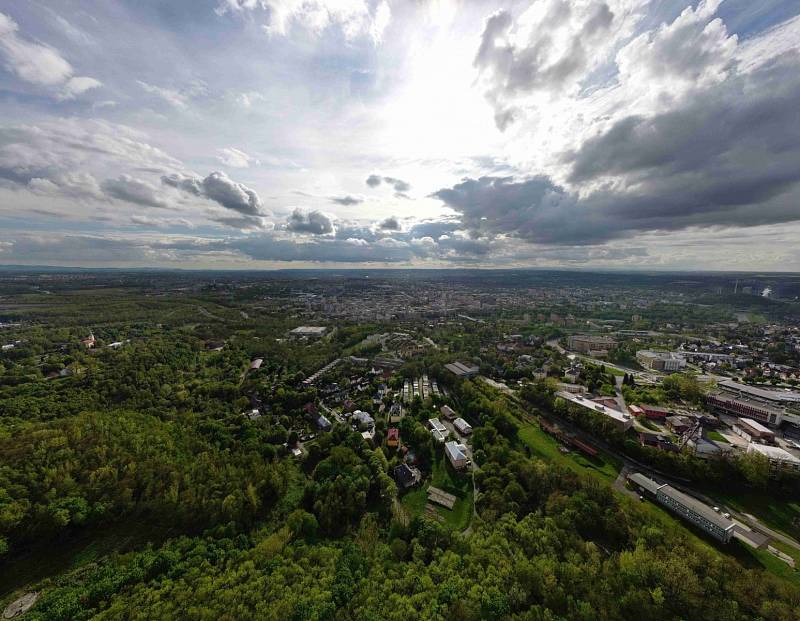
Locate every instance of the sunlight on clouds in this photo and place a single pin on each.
(554, 129)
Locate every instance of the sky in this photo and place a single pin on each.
(231, 134)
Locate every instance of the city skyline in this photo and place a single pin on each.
(360, 133)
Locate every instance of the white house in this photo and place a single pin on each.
(438, 430)
(457, 454)
(462, 426)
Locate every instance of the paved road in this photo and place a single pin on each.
(619, 483)
(623, 407)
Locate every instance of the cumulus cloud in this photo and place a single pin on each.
(132, 190)
(400, 186)
(694, 49)
(390, 224)
(39, 64)
(312, 222)
(549, 49)
(396, 249)
(231, 195)
(503, 205)
(221, 189)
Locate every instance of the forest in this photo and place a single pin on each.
(151, 435)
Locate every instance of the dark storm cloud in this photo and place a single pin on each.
(219, 188)
(497, 205)
(313, 222)
(749, 126)
(730, 156)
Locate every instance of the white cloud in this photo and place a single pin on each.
(32, 62)
(695, 50)
(80, 185)
(548, 51)
(343, 88)
(225, 192)
(39, 64)
(354, 17)
(137, 191)
(72, 145)
(383, 15)
(235, 158)
(78, 86)
(171, 96)
(312, 222)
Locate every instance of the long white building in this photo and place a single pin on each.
(621, 420)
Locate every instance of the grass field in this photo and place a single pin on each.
(774, 565)
(775, 512)
(716, 436)
(542, 445)
(414, 500)
(443, 477)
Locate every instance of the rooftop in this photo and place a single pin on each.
(455, 451)
(774, 453)
(591, 405)
(436, 424)
(700, 508)
(755, 425)
(644, 482)
(661, 355)
(785, 396)
(696, 506)
(309, 330)
(459, 368)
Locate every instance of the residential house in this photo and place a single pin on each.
(456, 454)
